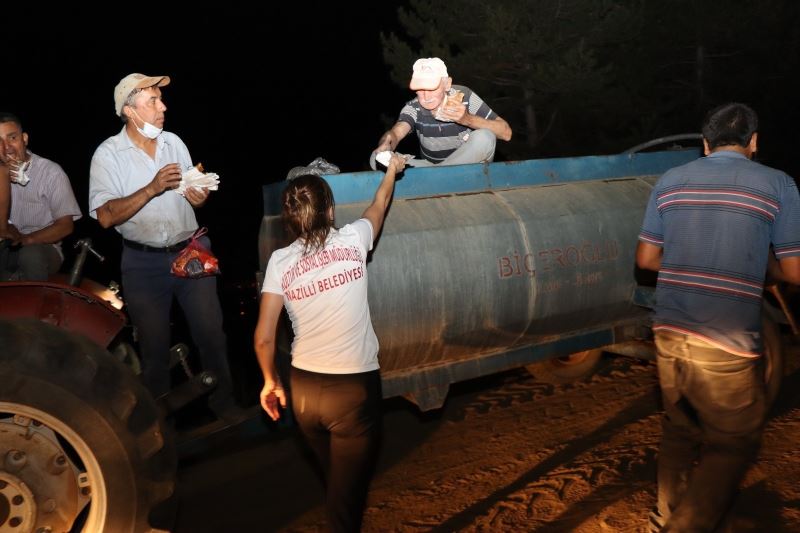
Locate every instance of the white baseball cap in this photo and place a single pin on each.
(428, 74)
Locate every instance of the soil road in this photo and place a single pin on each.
(505, 454)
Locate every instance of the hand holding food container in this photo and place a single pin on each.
(452, 107)
(197, 177)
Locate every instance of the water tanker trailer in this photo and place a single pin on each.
(484, 268)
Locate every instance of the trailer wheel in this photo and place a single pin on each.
(82, 442)
(566, 369)
(773, 359)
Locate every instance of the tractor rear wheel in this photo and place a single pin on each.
(82, 442)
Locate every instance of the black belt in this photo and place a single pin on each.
(177, 247)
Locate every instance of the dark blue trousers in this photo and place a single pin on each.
(148, 290)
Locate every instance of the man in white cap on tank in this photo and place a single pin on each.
(453, 124)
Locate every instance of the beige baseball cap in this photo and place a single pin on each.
(135, 81)
(428, 73)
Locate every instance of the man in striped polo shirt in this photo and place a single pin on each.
(458, 133)
(707, 230)
(43, 208)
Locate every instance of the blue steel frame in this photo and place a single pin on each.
(356, 187)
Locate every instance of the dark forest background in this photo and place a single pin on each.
(577, 77)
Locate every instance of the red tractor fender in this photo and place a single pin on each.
(90, 310)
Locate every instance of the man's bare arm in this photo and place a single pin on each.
(392, 138)
(119, 210)
(648, 256)
(498, 126)
(457, 112)
(786, 269)
(55, 232)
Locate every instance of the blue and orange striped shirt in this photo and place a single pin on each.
(715, 219)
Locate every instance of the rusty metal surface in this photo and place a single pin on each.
(71, 308)
(455, 277)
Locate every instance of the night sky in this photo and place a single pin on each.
(237, 80)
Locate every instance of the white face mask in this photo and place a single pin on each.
(149, 131)
(19, 174)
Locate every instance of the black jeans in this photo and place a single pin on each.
(340, 416)
(715, 408)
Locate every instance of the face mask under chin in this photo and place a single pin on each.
(148, 130)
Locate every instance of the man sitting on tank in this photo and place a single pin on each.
(453, 124)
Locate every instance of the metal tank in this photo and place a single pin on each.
(482, 268)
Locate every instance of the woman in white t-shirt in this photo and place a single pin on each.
(321, 278)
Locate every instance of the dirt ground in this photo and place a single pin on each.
(505, 454)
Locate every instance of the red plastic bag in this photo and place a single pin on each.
(195, 261)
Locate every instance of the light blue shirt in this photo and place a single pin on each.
(120, 168)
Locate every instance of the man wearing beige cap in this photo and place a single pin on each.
(453, 124)
(132, 184)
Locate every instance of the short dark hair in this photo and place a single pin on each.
(10, 117)
(730, 124)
